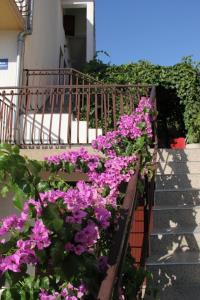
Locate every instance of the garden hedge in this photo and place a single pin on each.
(178, 91)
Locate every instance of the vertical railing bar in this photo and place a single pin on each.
(121, 103)
(131, 102)
(10, 118)
(4, 120)
(108, 108)
(76, 97)
(105, 111)
(88, 114)
(43, 113)
(1, 119)
(34, 115)
(17, 125)
(61, 113)
(28, 104)
(138, 93)
(69, 119)
(83, 83)
(101, 107)
(53, 91)
(114, 110)
(96, 113)
(78, 116)
(2, 113)
(69, 129)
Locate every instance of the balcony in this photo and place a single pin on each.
(13, 14)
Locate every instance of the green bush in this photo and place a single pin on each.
(178, 91)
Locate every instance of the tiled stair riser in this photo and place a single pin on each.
(175, 240)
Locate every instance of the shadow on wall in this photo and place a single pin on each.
(178, 220)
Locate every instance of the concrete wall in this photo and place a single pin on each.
(8, 49)
(42, 48)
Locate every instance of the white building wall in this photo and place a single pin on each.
(8, 49)
(42, 48)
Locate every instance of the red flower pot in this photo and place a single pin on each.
(177, 143)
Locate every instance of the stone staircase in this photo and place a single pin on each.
(175, 240)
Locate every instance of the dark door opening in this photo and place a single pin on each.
(170, 116)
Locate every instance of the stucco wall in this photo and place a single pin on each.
(8, 49)
(42, 48)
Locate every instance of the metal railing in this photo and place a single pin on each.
(65, 76)
(24, 7)
(64, 115)
(111, 285)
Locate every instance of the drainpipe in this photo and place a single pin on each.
(20, 55)
(20, 42)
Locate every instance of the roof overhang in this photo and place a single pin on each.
(10, 16)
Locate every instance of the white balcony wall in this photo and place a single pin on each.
(8, 50)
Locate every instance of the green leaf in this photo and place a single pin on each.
(52, 218)
(19, 197)
(6, 295)
(4, 191)
(57, 252)
(45, 283)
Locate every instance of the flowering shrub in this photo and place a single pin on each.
(50, 231)
(133, 134)
(65, 233)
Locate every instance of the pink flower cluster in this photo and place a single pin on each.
(25, 253)
(76, 159)
(84, 239)
(70, 292)
(133, 126)
(109, 172)
(75, 205)
(116, 170)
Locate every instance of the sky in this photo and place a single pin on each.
(160, 31)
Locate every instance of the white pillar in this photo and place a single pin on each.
(90, 48)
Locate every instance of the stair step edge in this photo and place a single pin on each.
(175, 231)
(178, 190)
(183, 207)
(172, 263)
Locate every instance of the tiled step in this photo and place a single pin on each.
(178, 181)
(180, 269)
(177, 293)
(173, 240)
(179, 197)
(176, 217)
(178, 167)
(167, 155)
